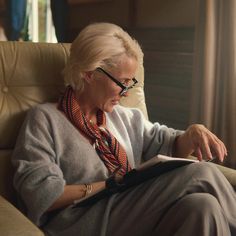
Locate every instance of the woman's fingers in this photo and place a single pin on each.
(205, 148)
(205, 143)
(198, 154)
(218, 148)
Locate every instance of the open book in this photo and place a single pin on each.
(154, 167)
(162, 158)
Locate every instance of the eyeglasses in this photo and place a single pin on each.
(124, 88)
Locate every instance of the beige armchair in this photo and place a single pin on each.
(30, 73)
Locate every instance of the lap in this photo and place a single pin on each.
(144, 206)
(139, 209)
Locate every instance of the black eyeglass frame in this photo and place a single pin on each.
(124, 88)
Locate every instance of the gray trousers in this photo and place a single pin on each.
(192, 200)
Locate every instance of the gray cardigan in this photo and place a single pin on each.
(50, 152)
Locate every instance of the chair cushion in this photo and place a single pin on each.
(14, 222)
(29, 74)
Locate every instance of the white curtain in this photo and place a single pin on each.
(214, 77)
(40, 26)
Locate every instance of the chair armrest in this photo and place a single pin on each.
(14, 223)
(229, 173)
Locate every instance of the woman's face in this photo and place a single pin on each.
(104, 92)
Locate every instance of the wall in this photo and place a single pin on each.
(165, 30)
(168, 65)
(115, 11)
(134, 13)
(166, 33)
(165, 13)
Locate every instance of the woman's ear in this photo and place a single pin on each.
(88, 76)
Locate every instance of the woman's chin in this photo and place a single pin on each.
(110, 108)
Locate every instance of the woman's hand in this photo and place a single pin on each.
(200, 142)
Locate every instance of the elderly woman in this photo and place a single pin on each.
(68, 150)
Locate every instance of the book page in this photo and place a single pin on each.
(162, 158)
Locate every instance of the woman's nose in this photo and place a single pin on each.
(126, 94)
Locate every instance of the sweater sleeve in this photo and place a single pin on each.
(158, 139)
(147, 139)
(38, 178)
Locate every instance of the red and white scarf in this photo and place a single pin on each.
(106, 145)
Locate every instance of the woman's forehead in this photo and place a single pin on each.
(124, 62)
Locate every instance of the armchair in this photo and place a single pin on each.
(30, 73)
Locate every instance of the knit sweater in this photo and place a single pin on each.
(50, 152)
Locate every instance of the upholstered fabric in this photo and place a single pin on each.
(14, 223)
(30, 74)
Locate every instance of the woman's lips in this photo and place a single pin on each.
(115, 102)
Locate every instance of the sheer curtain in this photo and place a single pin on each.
(214, 76)
(40, 26)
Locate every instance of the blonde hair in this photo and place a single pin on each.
(98, 45)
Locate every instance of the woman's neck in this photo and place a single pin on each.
(87, 107)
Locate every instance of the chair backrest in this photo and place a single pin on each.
(30, 73)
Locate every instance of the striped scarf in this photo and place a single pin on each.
(106, 145)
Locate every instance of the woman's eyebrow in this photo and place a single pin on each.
(126, 78)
